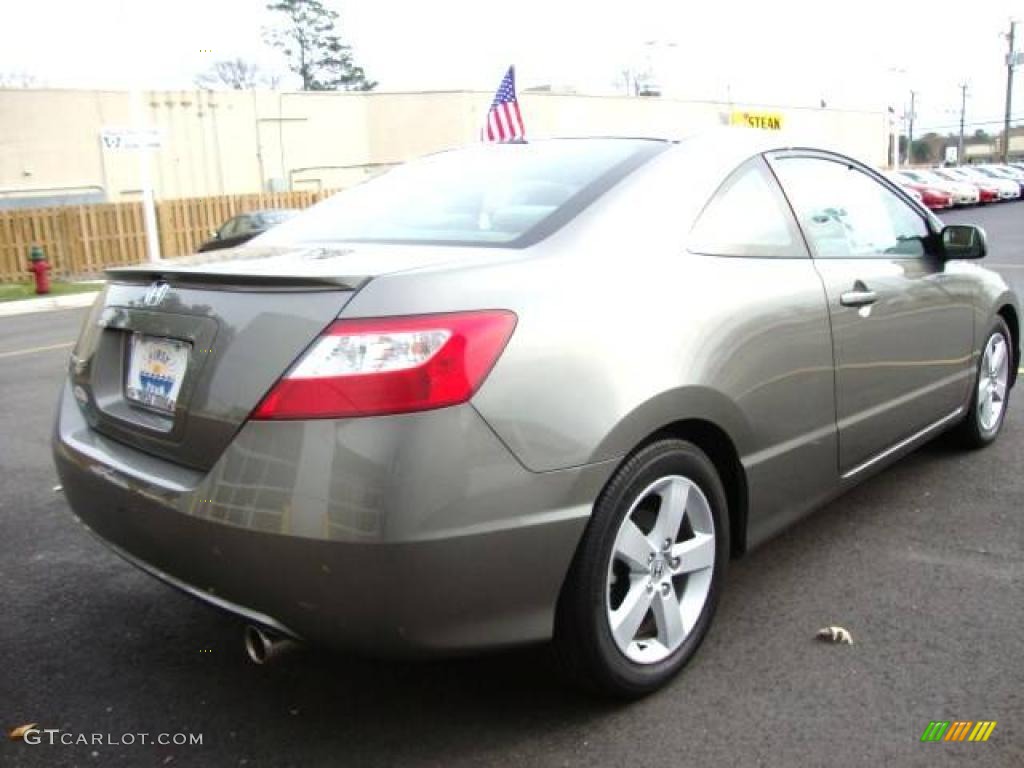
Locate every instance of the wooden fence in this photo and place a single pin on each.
(86, 239)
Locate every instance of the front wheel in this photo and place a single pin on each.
(645, 581)
(991, 389)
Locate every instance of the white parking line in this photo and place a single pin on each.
(33, 350)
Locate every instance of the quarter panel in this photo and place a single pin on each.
(741, 341)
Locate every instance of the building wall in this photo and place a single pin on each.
(233, 142)
(990, 151)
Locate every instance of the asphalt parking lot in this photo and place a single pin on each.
(924, 564)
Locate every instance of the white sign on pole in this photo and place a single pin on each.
(951, 155)
(130, 138)
(1016, 59)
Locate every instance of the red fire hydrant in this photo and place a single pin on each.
(40, 267)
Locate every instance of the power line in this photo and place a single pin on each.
(970, 123)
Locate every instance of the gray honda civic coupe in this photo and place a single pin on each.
(527, 392)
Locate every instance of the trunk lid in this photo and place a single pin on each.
(237, 318)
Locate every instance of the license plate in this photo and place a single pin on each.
(156, 368)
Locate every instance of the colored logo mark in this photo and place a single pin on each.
(958, 730)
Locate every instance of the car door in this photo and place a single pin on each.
(902, 325)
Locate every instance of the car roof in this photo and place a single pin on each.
(730, 139)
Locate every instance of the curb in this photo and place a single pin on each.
(47, 304)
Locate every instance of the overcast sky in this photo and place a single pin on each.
(787, 51)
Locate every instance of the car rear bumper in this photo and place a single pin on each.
(965, 199)
(405, 535)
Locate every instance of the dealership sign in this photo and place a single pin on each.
(130, 138)
(771, 121)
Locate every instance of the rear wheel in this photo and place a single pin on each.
(645, 580)
(991, 389)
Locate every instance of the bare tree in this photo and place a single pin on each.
(629, 79)
(238, 74)
(20, 79)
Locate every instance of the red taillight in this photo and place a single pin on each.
(390, 365)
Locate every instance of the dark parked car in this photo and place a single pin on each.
(525, 392)
(245, 227)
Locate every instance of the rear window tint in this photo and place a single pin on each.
(509, 195)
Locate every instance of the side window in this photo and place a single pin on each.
(846, 214)
(245, 224)
(230, 229)
(748, 216)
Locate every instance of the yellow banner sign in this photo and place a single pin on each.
(769, 121)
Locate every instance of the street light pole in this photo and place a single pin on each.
(963, 111)
(896, 93)
(1010, 63)
(146, 181)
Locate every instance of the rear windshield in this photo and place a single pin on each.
(491, 194)
(268, 219)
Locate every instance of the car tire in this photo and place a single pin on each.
(981, 425)
(614, 572)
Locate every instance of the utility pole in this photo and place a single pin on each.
(910, 130)
(963, 111)
(1010, 54)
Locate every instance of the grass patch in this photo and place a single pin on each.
(18, 291)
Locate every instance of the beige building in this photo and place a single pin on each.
(992, 149)
(52, 145)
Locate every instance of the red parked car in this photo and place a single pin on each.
(986, 194)
(913, 193)
(933, 198)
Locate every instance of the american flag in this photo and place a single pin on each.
(504, 121)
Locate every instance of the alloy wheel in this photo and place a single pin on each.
(993, 380)
(660, 570)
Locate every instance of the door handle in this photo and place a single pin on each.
(860, 296)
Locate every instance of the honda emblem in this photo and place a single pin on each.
(155, 293)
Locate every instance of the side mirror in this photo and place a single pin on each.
(963, 241)
(215, 234)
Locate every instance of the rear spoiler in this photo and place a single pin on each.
(203, 278)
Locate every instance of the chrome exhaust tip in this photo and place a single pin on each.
(262, 646)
